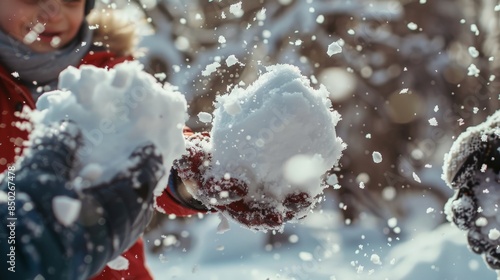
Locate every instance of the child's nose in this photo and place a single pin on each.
(49, 10)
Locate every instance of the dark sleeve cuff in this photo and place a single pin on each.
(179, 193)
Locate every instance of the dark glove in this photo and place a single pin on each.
(230, 195)
(476, 182)
(112, 215)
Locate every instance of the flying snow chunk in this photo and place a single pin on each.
(392, 222)
(306, 256)
(474, 29)
(231, 60)
(261, 15)
(375, 259)
(494, 234)
(334, 48)
(473, 52)
(433, 122)
(416, 178)
(377, 157)
(119, 263)
(66, 209)
(320, 19)
(403, 91)
(205, 117)
(236, 10)
(473, 70)
(210, 68)
(412, 26)
(222, 40)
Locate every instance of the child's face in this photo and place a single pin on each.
(43, 25)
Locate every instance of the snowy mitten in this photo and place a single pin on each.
(472, 170)
(260, 214)
(192, 169)
(126, 200)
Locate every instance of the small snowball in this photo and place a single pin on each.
(473, 70)
(412, 26)
(404, 91)
(334, 48)
(377, 157)
(66, 209)
(392, 222)
(474, 29)
(231, 60)
(494, 234)
(481, 222)
(236, 9)
(374, 258)
(222, 40)
(320, 19)
(205, 117)
(433, 122)
(473, 52)
(306, 256)
(429, 210)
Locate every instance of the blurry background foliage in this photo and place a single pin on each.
(412, 75)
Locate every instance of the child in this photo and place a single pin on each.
(39, 39)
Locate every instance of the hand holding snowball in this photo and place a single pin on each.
(229, 195)
(98, 221)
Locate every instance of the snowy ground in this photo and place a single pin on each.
(322, 247)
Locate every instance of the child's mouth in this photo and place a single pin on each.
(38, 33)
(49, 37)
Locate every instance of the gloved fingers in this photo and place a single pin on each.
(54, 149)
(223, 191)
(146, 170)
(193, 164)
(254, 215)
(297, 205)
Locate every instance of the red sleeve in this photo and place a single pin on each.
(166, 204)
(136, 270)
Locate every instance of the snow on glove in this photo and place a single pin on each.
(228, 195)
(192, 168)
(262, 215)
(116, 212)
(472, 170)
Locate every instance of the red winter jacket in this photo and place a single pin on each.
(14, 96)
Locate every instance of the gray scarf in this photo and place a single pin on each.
(44, 68)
